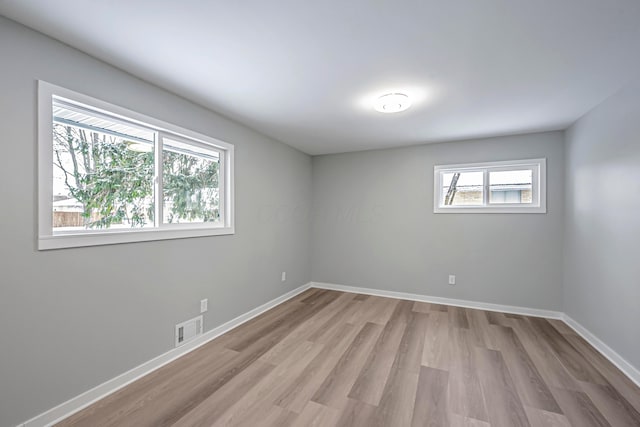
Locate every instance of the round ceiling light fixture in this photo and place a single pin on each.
(392, 103)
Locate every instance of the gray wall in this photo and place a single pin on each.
(374, 225)
(602, 283)
(74, 318)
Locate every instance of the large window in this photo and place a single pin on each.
(508, 187)
(109, 175)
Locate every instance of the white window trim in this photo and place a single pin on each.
(47, 239)
(539, 193)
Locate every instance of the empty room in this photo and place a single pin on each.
(337, 213)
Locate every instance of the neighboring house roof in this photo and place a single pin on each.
(498, 187)
(67, 205)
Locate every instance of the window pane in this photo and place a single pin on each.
(510, 187)
(190, 183)
(462, 188)
(101, 179)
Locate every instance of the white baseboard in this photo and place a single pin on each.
(627, 368)
(80, 402)
(535, 312)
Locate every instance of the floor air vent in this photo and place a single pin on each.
(186, 331)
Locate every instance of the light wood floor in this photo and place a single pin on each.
(327, 358)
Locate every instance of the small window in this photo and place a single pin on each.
(508, 187)
(109, 175)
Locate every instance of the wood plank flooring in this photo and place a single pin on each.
(327, 358)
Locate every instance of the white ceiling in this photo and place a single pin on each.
(305, 72)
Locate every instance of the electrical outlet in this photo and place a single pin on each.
(204, 305)
(452, 279)
(284, 276)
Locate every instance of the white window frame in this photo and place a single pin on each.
(539, 187)
(50, 239)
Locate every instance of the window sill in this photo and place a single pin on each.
(75, 240)
(491, 209)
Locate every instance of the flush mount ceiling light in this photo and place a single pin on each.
(392, 103)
